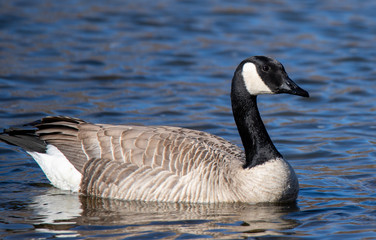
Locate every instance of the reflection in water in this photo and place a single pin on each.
(73, 215)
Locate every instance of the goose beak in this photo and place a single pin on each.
(290, 87)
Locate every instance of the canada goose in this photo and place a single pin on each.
(170, 164)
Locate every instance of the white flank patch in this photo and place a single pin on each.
(253, 82)
(61, 173)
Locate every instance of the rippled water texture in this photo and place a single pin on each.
(171, 63)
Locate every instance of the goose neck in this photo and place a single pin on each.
(257, 144)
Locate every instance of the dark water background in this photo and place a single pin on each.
(170, 63)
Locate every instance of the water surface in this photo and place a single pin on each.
(171, 63)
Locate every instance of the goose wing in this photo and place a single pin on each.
(175, 149)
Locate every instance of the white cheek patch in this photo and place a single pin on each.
(253, 82)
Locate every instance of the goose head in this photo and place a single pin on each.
(264, 75)
(254, 76)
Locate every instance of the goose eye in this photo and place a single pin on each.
(265, 68)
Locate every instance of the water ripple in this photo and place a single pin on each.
(170, 63)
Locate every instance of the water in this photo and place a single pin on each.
(170, 63)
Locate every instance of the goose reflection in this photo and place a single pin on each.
(79, 216)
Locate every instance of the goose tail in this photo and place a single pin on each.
(27, 139)
(55, 165)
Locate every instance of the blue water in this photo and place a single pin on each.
(171, 63)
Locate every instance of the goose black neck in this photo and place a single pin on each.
(258, 146)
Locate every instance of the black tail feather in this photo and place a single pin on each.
(27, 136)
(24, 138)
